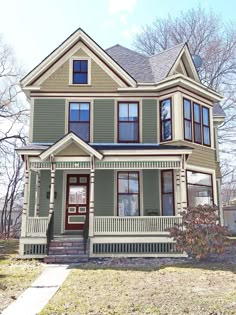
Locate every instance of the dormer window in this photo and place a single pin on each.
(80, 71)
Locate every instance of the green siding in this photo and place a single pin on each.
(48, 120)
(104, 120)
(104, 193)
(43, 201)
(149, 121)
(151, 198)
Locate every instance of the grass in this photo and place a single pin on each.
(15, 275)
(196, 288)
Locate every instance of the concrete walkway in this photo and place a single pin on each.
(33, 299)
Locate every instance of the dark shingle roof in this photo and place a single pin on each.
(218, 110)
(149, 69)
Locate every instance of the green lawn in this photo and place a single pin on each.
(15, 275)
(200, 289)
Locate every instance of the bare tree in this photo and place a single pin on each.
(215, 41)
(13, 122)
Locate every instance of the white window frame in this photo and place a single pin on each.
(71, 70)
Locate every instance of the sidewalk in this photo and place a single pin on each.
(33, 299)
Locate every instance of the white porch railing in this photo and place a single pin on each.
(147, 225)
(37, 226)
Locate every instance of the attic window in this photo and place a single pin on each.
(80, 69)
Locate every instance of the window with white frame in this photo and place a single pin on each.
(79, 119)
(199, 188)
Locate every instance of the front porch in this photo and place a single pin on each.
(125, 207)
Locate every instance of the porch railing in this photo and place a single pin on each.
(147, 225)
(37, 226)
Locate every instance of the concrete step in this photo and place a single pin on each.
(67, 243)
(66, 259)
(66, 250)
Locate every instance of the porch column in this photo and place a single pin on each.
(183, 185)
(52, 189)
(26, 194)
(37, 194)
(178, 191)
(91, 198)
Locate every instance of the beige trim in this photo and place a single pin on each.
(71, 70)
(177, 79)
(177, 111)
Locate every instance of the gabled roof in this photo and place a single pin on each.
(78, 36)
(218, 110)
(65, 141)
(151, 69)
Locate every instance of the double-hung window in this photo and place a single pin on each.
(200, 190)
(128, 194)
(79, 119)
(167, 191)
(206, 126)
(166, 120)
(80, 72)
(128, 122)
(196, 123)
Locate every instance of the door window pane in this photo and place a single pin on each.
(77, 194)
(167, 193)
(168, 206)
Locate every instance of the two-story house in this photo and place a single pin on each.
(120, 144)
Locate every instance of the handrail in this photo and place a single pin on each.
(49, 232)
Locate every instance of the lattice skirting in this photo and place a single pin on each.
(35, 249)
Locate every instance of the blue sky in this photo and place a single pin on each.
(35, 28)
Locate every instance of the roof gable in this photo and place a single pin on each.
(61, 51)
(184, 64)
(65, 142)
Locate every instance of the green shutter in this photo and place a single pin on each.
(149, 121)
(104, 120)
(104, 193)
(48, 120)
(151, 197)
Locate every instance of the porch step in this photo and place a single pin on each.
(51, 259)
(67, 249)
(74, 250)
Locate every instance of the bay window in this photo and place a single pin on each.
(166, 120)
(128, 122)
(196, 122)
(128, 194)
(199, 188)
(79, 119)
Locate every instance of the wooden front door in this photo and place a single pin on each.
(77, 201)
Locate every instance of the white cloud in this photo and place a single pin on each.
(117, 6)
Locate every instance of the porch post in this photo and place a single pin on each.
(178, 191)
(91, 198)
(26, 194)
(37, 194)
(183, 185)
(52, 189)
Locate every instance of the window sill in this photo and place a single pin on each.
(71, 84)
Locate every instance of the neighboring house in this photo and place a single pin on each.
(120, 144)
